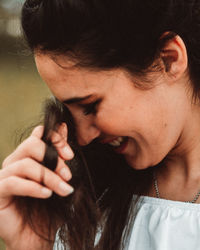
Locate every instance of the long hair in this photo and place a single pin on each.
(101, 35)
(104, 186)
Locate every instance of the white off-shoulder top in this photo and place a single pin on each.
(164, 225)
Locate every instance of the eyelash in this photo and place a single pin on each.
(90, 108)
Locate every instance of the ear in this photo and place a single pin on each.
(174, 57)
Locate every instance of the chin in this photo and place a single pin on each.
(136, 164)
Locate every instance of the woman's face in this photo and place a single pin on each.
(150, 121)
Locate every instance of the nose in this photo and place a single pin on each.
(87, 133)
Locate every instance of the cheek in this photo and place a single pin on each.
(113, 122)
(129, 119)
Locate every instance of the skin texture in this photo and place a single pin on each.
(123, 110)
(153, 119)
(161, 122)
(24, 163)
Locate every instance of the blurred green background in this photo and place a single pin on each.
(21, 90)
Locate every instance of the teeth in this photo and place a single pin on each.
(116, 142)
(120, 139)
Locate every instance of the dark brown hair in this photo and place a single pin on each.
(104, 185)
(101, 35)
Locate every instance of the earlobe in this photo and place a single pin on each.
(174, 57)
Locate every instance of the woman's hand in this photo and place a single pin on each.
(22, 174)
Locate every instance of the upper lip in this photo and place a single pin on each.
(104, 141)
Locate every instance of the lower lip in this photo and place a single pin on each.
(122, 148)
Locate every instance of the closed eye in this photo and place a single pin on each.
(90, 108)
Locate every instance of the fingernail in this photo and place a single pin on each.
(64, 173)
(68, 152)
(46, 192)
(65, 189)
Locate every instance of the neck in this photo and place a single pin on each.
(179, 173)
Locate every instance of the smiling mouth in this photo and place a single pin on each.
(118, 144)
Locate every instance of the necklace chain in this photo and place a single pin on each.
(158, 193)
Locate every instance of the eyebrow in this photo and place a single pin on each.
(76, 99)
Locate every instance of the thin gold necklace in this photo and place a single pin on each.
(158, 193)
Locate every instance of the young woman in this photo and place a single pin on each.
(120, 144)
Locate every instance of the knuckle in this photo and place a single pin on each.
(38, 129)
(51, 179)
(24, 146)
(31, 169)
(10, 182)
(57, 140)
(23, 165)
(32, 141)
(64, 172)
(63, 130)
(6, 162)
(24, 162)
(30, 189)
(33, 147)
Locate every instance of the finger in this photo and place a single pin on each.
(28, 168)
(37, 153)
(21, 150)
(59, 139)
(63, 131)
(63, 148)
(63, 170)
(38, 131)
(32, 147)
(14, 185)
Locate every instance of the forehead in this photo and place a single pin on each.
(66, 81)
